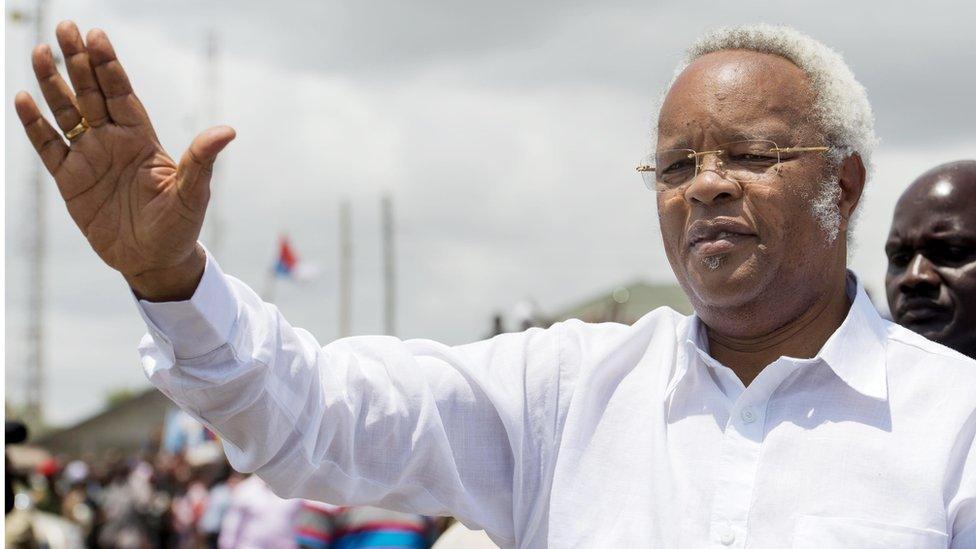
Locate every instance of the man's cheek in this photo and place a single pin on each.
(964, 288)
(672, 218)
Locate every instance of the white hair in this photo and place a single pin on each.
(826, 209)
(840, 107)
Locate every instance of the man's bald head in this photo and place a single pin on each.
(931, 280)
(942, 182)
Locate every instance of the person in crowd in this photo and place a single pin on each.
(931, 249)
(18, 529)
(785, 411)
(124, 525)
(188, 509)
(257, 518)
(323, 526)
(78, 505)
(218, 502)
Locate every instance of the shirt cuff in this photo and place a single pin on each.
(198, 326)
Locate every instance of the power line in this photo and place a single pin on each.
(36, 249)
(389, 266)
(345, 269)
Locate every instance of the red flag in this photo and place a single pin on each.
(287, 260)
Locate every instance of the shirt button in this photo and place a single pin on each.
(748, 415)
(727, 537)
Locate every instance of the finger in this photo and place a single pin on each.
(46, 141)
(87, 93)
(196, 166)
(123, 106)
(60, 99)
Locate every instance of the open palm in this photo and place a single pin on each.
(140, 211)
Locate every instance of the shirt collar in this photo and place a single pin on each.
(855, 351)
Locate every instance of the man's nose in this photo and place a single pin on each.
(710, 186)
(920, 273)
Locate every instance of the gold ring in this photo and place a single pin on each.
(76, 131)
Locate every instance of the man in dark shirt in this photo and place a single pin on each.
(931, 280)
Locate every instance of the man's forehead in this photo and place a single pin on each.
(947, 190)
(746, 91)
(724, 65)
(940, 211)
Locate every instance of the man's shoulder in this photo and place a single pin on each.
(922, 362)
(902, 341)
(596, 345)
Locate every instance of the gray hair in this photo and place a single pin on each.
(841, 106)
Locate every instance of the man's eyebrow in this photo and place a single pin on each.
(748, 134)
(781, 136)
(954, 225)
(955, 239)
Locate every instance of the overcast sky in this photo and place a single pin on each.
(506, 132)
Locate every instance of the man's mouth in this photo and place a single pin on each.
(715, 237)
(921, 311)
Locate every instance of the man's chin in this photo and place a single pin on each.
(936, 330)
(724, 280)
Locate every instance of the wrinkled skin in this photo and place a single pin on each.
(779, 290)
(931, 248)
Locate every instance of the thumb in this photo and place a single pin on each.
(193, 173)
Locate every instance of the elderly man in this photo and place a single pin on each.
(785, 412)
(931, 249)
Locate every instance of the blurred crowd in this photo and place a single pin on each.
(162, 500)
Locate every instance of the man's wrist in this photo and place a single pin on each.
(177, 283)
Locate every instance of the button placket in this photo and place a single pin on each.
(734, 485)
(741, 449)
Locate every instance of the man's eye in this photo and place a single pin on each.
(679, 166)
(952, 255)
(753, 158)
(899, 259)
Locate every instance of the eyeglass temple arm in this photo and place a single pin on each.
(799, 149)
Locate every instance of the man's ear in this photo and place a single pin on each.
(851, 175)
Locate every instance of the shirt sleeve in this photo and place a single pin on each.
(409, 425)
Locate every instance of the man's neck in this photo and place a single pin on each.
(801, 337)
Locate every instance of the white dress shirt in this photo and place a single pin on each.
(589, 435)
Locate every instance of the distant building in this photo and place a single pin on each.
(626, 304)
(129, 426)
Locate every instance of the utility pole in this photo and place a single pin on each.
(345, 270)
(35, 248)
(389, 267)
(215, 234)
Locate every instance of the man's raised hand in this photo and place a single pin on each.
(139, 210)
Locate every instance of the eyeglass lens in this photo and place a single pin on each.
(746, 160)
